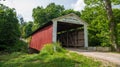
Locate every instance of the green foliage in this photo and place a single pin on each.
(22, 28)
(65, 12)
(20, 46)
(9, 27)
(67, 59)
(118, 32)
(116, 13)
(92, 2)
(98, 26)
(47, 49)
(6, 57)
(116, 2)
(9, 31)
(27, 29)
(95, 2)
(53, 10)
(39, 16)
(117, 20)
(50, 49)
(95, 15)
(43, 15)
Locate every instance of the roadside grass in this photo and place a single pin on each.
(60, 58)
(55, 60)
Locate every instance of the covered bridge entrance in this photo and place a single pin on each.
(70, 35)
(69, 30)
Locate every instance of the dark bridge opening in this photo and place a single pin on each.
(70, 35)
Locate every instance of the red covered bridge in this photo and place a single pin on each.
(69, 30)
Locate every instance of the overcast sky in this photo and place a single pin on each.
(24, 7)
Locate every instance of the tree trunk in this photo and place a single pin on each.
(112, 24)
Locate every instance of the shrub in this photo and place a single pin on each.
(47, 49)
(19, 46)
(52, 48)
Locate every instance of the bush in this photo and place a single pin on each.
(47, 49)
(52, 48)
(19, 46)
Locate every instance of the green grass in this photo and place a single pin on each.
(47, 58)
(40, 60)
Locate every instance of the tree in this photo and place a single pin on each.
(112, 24)
(65, 12)
(27, 29)
(116, 13)
(106, 6)
(53, 11)
(39, 16)
(98, 25)
(9, 27)
(43, 15)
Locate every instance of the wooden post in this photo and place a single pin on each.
(54, 31)
(85, 36)
(54, 38)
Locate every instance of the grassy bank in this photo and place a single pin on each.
(38, 60)
(47, 58)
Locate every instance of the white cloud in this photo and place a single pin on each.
(79, 5)
(24, 7)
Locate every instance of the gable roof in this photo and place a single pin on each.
(71, 18)
(41, 27)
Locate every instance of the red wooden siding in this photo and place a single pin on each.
(43, 36)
